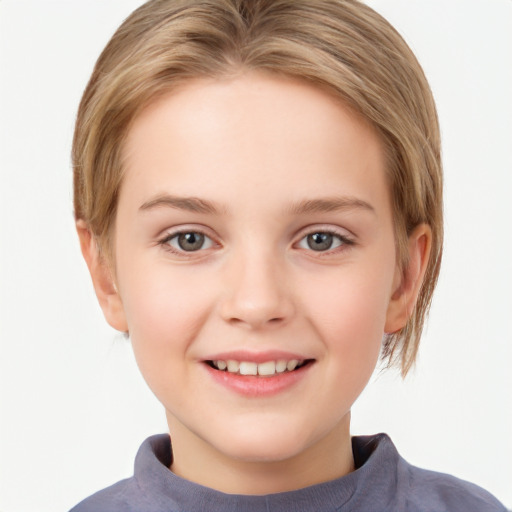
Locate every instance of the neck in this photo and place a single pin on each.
(327, 459)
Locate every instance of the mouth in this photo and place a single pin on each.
(265, 369)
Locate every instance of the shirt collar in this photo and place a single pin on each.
(375, 457)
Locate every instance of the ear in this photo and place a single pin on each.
(407, 281)
(103, 282)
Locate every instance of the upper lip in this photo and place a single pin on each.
(256, 357)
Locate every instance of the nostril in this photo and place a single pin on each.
(251, 307)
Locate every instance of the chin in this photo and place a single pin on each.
(264, 446)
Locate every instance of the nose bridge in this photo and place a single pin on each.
(256, 292)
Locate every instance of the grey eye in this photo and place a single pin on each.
(321, 241)
(190, 242)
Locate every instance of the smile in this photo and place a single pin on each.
(265, 369)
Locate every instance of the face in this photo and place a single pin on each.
(255, 264)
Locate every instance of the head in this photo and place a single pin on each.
(343, 48)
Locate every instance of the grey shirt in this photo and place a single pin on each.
(382, 482)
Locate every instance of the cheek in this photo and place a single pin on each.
(349, 312)
(353, 298)
(164, 311)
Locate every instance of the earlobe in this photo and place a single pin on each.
(103, 282)
(407, 283)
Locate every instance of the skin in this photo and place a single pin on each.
(260, 149)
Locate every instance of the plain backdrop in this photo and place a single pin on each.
(73, 407)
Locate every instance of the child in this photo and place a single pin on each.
(258, 196)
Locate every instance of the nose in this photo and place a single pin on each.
(256, 295)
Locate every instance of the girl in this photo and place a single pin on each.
(258, 196)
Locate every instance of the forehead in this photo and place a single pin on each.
(251, 138)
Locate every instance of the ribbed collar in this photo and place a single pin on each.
(376, 461)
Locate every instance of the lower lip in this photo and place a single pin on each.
(254, 386)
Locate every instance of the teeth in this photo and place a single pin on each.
(281, 366)
(265, 369)
(291, 365)
(248, 368)
(233, 366)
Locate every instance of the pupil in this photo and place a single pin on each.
(320, 241)
(190, 241)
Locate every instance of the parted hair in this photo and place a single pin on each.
(342, 46)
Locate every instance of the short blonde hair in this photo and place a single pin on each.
(340, 45)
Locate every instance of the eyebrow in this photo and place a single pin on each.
(190, 204)
(196, 205)
(330, 204)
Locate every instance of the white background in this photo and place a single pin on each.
(73, 407)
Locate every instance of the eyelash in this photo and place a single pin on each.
(164, 242)
(345, 241)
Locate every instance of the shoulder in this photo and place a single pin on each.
(139, 492)
(124, 496)
(431, 491)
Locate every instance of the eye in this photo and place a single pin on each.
(323, 241)
(189, 241)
